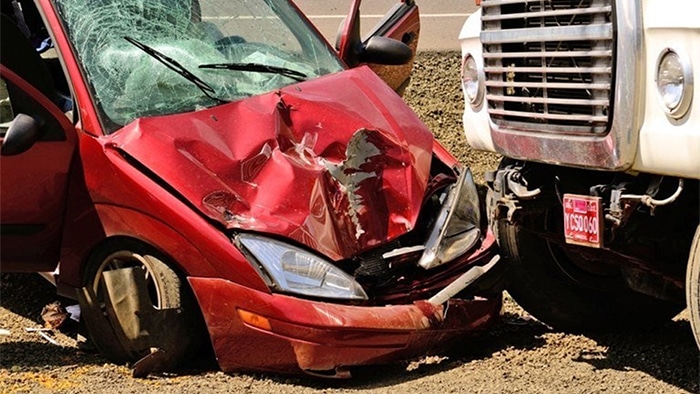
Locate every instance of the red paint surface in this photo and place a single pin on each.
(318, 336)
(263, 163)
(296, 164)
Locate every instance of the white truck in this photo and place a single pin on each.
(596, 201)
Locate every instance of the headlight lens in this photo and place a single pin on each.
(470, 80)
(674, 83)
(295, 270)
(456, 229)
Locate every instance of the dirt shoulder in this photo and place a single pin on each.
(519, 355)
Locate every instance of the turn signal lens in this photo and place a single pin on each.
(254, 320)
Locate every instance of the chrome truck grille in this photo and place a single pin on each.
(549, 64)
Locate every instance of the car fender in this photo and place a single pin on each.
(215, 257)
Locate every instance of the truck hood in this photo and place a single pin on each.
(339, 163)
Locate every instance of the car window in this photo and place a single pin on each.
(143, 57)
(15, 101)
(6, 114)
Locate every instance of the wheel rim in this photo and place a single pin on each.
(127, 259)
(692, 285)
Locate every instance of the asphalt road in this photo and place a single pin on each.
(441, 20)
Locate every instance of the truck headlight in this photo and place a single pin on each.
(472, 81)
(456, 229)
(294, 270)
(674, 82)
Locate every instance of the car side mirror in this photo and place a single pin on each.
(21, 135)
(386, 51)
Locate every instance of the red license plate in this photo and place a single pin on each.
(583, 223)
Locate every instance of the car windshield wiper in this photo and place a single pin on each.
(257, 67)
(178, 68)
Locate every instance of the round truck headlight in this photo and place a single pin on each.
(674, 83)
(471, 81)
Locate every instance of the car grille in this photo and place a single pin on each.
(549, 64)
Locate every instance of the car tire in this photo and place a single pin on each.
(692, 286)
(165, 321)
(548, 282)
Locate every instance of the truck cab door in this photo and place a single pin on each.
(38, 142)
(393, 63)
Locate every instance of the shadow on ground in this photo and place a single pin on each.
(511, 332)
(25, 295)
(668, 354)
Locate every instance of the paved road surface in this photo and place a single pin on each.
(441, 20)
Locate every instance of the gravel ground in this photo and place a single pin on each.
(519, 356)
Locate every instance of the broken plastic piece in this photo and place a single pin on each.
(153, 362)
(462, 282)
(43, 333)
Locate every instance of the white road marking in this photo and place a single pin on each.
(371, 16)
(271, 17)
(381, 16)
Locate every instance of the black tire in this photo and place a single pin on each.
(692, 286)
(169, 320)
(550, 282)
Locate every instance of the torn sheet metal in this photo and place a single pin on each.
(298, 162)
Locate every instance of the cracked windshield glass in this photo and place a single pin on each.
(158, 57)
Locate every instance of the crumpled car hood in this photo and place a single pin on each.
(338, 163)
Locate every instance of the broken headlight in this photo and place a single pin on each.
(295, 270)
(456, 229)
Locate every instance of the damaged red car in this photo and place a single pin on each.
(211, 171)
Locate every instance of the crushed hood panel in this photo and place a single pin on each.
(338, 163)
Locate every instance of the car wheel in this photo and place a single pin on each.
(692, 286)
(135, 306)
(565, 290)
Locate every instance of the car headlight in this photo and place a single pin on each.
(295, 270)
(674, 82)
(456, 229)
(472, 81)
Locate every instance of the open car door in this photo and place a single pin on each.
(402, 24)
(37, 148)
(38, 142)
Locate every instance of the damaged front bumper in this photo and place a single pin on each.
(254, 330)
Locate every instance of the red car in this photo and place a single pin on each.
(212, 170)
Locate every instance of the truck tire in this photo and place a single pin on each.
(135, 305)
(692, 286)
(545, 279)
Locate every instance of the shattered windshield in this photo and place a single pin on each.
(158, 57)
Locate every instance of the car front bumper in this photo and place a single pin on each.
(258, 331)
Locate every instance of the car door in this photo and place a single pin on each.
(33, 183)
(402, 23)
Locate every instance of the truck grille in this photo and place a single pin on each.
(549, 64)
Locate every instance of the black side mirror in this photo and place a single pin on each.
(387, 51)
(22, 134)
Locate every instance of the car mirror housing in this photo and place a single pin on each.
(387, 51)
(22, 134)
